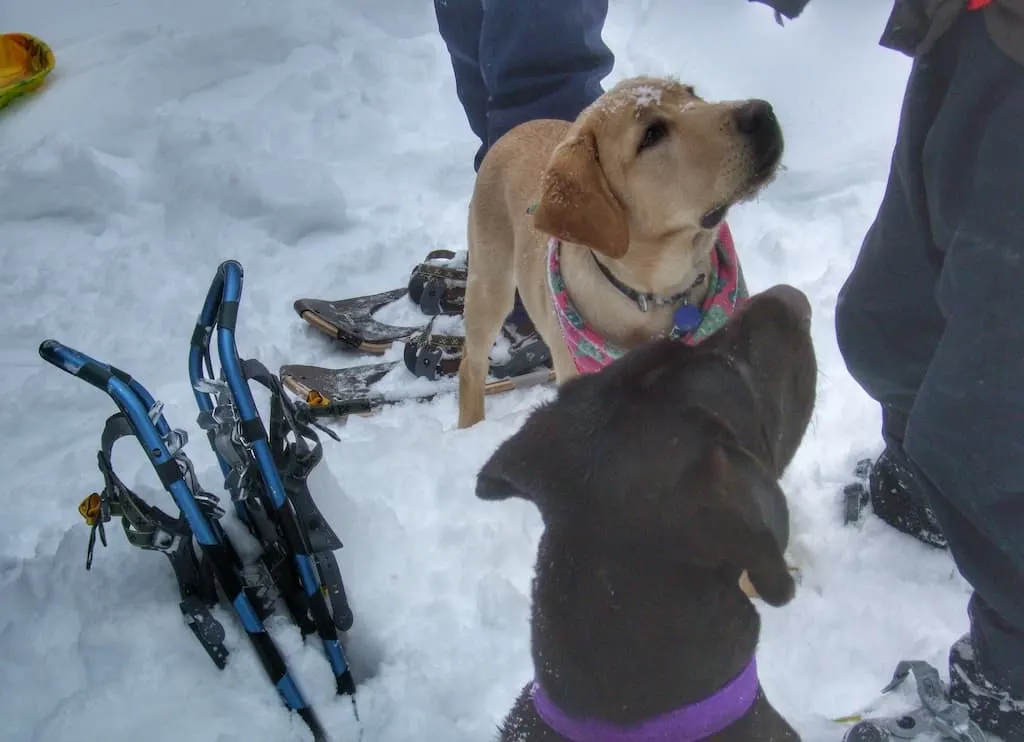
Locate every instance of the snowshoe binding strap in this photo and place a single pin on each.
(439, 289)
(856, 494)
(431, 356)
(295, 460)
(148, 527)
(937, 715)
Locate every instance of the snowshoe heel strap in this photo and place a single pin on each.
(148, 527)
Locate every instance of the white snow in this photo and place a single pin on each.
(646, 95)
(322, 144)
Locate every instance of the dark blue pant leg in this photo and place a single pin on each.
(519, 60)
(932, 316)
(460, 24)
(534, 59)
(542, 59)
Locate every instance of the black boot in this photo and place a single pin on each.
(894, 499)
(991, 708)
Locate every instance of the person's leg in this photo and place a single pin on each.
(887, 321)
(965, 433)
(959, 166)
(459, 23)
(516, 61)
(541, 59)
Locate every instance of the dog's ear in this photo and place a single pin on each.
(527, 465)
(737, 524)
(576, 203)
(502, 476)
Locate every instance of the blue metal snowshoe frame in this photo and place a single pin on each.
(219, 316)
(137, 406)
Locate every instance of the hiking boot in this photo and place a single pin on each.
(894, 499)
(991, 708)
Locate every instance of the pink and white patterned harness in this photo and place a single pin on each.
(591, 352)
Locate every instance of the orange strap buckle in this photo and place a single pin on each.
(89, 509)
(316, 399)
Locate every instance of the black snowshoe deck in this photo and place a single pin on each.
(434, 288)
(351, 320)
(339, 392)
(429, 359)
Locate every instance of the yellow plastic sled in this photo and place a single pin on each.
(25, 61)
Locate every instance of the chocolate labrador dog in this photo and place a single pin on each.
(657, 480)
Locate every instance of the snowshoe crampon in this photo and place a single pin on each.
(436, 287)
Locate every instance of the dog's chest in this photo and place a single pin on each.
(600, 327)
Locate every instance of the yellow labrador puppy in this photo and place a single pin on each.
(620, 210)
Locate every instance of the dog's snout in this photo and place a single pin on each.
(795, 298)
(754, 117)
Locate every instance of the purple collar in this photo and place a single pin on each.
(687, 724)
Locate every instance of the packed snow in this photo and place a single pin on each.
(322, 145)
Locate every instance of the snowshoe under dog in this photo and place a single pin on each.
(429, 366)
(436, 289)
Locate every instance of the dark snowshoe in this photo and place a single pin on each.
(436, 287)
(364, 390)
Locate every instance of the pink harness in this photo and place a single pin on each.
(591, 352)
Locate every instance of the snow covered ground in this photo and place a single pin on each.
(321, 143)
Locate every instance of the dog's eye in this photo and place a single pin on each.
(654, 133)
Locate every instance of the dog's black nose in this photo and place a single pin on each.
(754, 117)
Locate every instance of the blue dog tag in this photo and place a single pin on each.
(686, 318)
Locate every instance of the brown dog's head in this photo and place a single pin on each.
(672, 454)
(651, 160)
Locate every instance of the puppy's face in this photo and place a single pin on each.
(669, 453)
(651, 160)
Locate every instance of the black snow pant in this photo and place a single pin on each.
(515, 61)
(931, 321)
